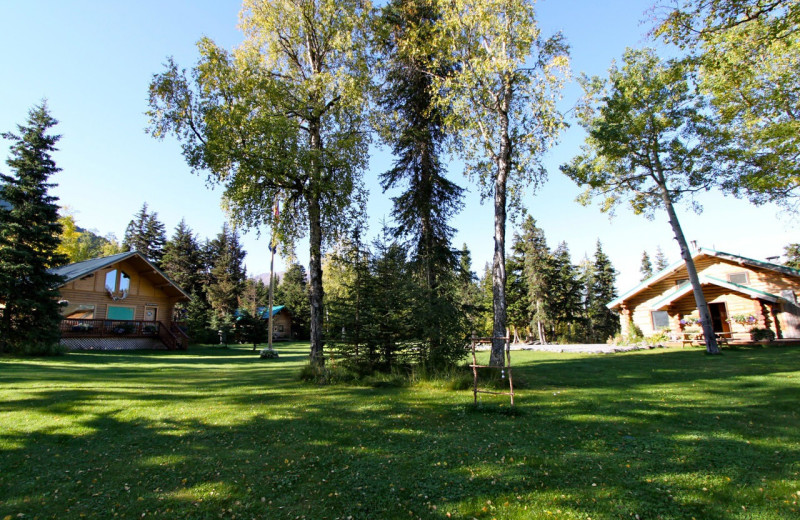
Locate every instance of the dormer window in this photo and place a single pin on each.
(118, 283)
(740, 278)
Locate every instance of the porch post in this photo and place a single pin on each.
(625, 320)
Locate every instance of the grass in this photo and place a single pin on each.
(217, 433)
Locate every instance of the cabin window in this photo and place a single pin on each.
(660, 320)
(118, 280)
(120, 313)
(280, 328)
(681, 281)
(740, 278)
(78, 311)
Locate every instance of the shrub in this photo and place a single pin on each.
(762, 334)
(268, 353)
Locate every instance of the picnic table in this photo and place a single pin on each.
(691, 338)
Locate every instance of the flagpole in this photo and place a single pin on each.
(271, 289)
(273, 246)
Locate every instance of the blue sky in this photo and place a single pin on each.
(93, 61)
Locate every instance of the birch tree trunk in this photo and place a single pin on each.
(697, 288)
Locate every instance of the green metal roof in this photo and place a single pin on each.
(709, 252)
(80, 269)
(685, 289)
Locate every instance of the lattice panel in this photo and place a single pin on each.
(111, 344)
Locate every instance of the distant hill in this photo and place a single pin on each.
(264, 277)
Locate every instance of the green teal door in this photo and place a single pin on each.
(120, 313)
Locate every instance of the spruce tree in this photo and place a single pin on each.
(29, 237)
(519, 318)
(792, 252)
(538, 272)
(181, 259)
(415, 130)
(146, 234)
(647, 267)
(227, 276)
(566, 297)
(661, 260)
(604, 322)
(294, 295)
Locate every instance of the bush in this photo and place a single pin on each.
(268, 353)
(762, 334)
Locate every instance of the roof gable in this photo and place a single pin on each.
(78, 270)
(700, 252)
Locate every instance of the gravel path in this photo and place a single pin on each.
(597, 348)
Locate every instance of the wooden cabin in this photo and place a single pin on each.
(281, 321)
(119, 302)
(742, 294)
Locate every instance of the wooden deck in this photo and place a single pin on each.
(94, 330)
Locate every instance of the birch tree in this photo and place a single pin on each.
(747, 57)
(501, 109)
(649, 144)
(283, 115)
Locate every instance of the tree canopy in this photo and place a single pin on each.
(747, 57)
(649, 144)
(282, 116)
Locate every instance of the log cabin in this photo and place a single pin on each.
(742, 294)
(119, 302)
(281, 321)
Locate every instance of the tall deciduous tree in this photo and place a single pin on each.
(502, 107)
(649, 144)
(281, 116)
(747, 54)
(29, 238)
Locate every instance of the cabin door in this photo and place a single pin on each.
(150, 313)
(719, 317)
(790, 320)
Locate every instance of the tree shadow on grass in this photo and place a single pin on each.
(603, 448)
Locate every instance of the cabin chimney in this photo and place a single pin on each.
(693, 245)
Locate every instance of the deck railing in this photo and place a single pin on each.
(172, 337)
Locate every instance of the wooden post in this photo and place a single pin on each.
(474, 369)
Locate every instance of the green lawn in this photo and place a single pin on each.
(215, 433)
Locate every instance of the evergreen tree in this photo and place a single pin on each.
(227, 276)
(146, 234)
(181, 259)
(29, 237)
(602, 290)
(392, 309)
(348, 300)
(294, 291)
(647, 267)
(661, 260)
(537, 270)
(467, 291)
(566, 298)
(415, 130)
(792, 252)
(519, 318)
